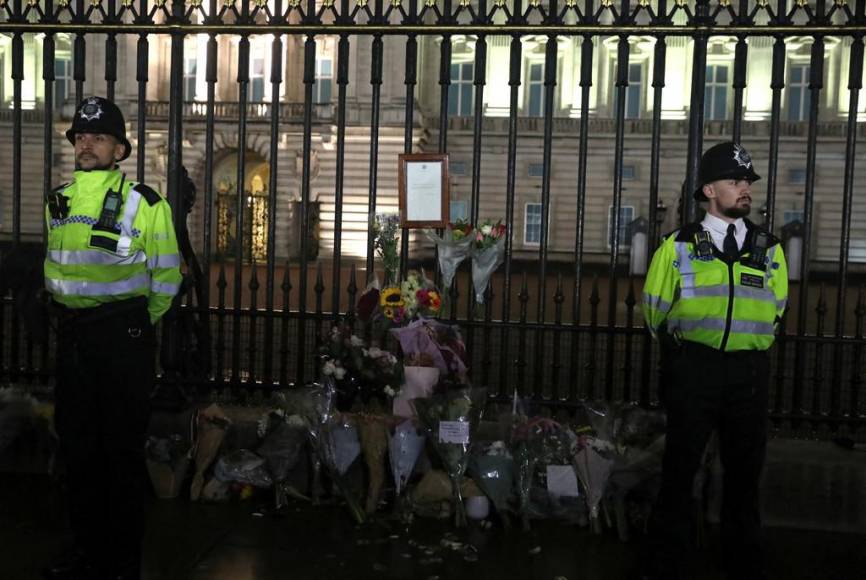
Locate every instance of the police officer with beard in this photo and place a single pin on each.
(714, 295)
(112, 268)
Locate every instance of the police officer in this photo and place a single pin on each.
(714, 294)
(112, 269)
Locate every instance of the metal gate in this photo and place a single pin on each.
(573, 85)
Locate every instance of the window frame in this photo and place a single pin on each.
(456, 105)
(710, 88)
(526, 223)
(624, 243)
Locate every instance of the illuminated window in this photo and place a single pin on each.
(626, 216)
(461, 92)
(716, 93)
(798, 92)
(190, 72)
(532, 224)
(257, 74)
(322, 88)
(62, 79)
(633, 91)
(535, 86)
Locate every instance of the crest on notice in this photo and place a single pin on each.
(742, 157)
(91, 109)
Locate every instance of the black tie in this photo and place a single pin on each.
(731, 249)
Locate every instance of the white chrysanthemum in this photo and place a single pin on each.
(295, 421)
(487, 229)
(390, 391)
(339, 373)
(329, 368)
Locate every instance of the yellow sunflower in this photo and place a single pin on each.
(391, 297)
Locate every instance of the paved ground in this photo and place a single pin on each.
(231, 542)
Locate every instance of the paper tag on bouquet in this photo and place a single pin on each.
(562, 481)
(454, 432)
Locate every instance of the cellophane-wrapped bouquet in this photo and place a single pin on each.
(542, 447)
(450, 418)
(454, 246)
(334, 440)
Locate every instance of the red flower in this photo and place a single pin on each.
(367, 304)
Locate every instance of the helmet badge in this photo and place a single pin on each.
(742, 157)
(91, 109)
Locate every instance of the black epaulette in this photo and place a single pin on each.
(771, 239)
(60, 188)
(150, 195)
(687, 232)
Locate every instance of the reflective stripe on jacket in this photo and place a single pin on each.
(86, 267)
(725, 305)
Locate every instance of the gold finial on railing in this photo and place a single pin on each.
(430, 3)
(228, 3)
(841, 3)
(802, 3)
(195, 3)
(396, 3)
(159, 3)
(682, 3)
(261, 3)
(762, 3)
(644, 3)
(725, 3)
(607, 3)
(571, 3)
(63, 3)
(95, 3)
(465, 3)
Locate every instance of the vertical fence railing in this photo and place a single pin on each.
(256, 340)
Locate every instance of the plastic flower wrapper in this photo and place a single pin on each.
(493, 471)
(210, 426)
(334, 441)
(450, 418)
(485, 260)
(593, 466)
(374, 444)
(538, 444)
(242, 466)
(404, 447)
(435, 341)
(636, 447)
(283, 439)
(453, 247)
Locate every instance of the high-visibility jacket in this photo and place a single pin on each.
(87, 266)
(724, 304)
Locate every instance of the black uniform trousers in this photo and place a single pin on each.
(704, 389)
(104, 380)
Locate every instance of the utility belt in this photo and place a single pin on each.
(76, 316)
(696, 349)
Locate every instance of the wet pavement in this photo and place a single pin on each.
(241, 540)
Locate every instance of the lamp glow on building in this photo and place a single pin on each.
(792, 238)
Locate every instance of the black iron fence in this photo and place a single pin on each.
(561, 324)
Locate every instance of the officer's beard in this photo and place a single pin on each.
(108, 167)
(737, 211)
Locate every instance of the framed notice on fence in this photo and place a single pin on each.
(423, 187)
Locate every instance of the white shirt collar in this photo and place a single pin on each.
(719, 226)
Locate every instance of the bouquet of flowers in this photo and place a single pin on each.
(493, 471)
(488, 252)
(453, 247)
(396, 305)
(450, 418)
(543, 450)
(386, 229)
(356, 368)
(334, 441)
(283, 437)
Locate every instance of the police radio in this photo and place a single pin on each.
(111, 207)
(58, 205)
(758, 256)
(704, 245)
